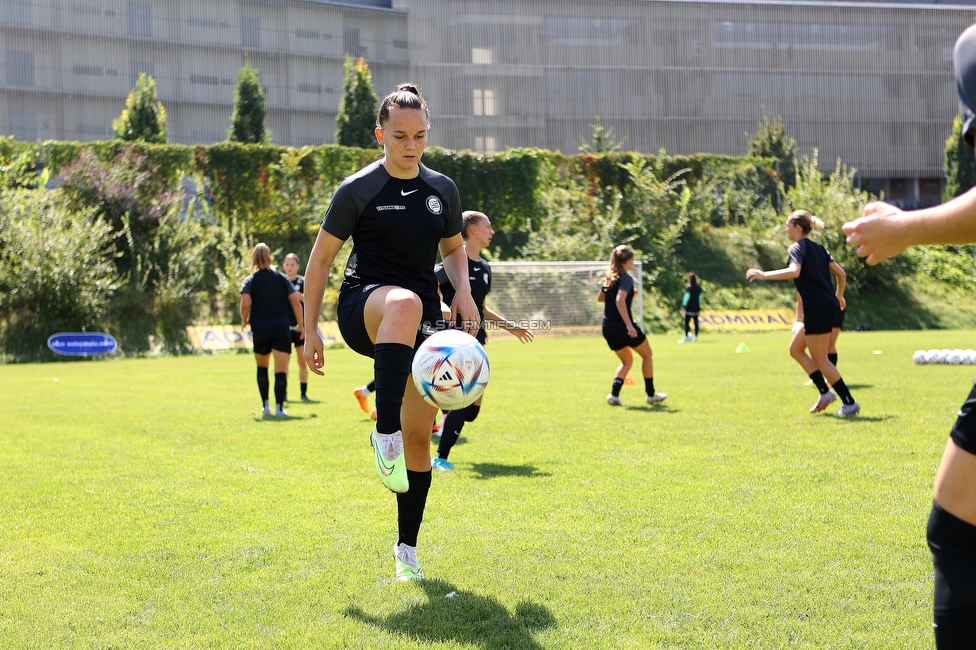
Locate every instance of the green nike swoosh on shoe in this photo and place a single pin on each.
(407, 566)
(391, 468)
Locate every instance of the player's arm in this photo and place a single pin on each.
(455, 262)
(296, 305)
(245, 310)
(883, 230)
(521, 333)
(621, 303)
(789, 273)
(841, 276)
(317, 270)
(601, 296)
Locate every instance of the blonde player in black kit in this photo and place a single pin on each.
(809, 268)
(267, 298)
(619, 330)
(881, 232)
(398, 213)
(477, 234)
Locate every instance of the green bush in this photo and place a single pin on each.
(56, 272)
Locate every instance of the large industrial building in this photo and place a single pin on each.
(867, 82)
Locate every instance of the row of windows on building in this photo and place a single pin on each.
(140, 23)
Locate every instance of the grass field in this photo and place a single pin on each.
(146, 503)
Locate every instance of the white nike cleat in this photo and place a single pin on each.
(390, 465)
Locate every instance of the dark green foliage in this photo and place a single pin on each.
(960, 163)
(771, 141)
(247, 121)
(143, 118)
(56, 272)
(356, 119)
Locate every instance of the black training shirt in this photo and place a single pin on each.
(479, 277)
(396, 225)
(813, 283)
(299, 285)
(270, 306)
(611, 316)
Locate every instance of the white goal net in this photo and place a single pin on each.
(554, 298)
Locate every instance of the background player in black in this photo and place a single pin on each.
(619, 329)
(809, 268)
(290, 266)
(398, 213)
(798, 345)
(691, 303)
(477, 233)
(881, 232)
(267, 297)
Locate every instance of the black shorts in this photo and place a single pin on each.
(953, 544)
(839, 318)
(277, 339)
(352, 324)
(617, 338)
(297, 339)
(818, 319)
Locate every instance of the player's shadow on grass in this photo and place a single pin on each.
(274, 418)
(495, 470)
(660, 407)
(436, 440)
(466, 618)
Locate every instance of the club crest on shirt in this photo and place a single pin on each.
(434, 205)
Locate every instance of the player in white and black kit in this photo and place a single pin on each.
(477, 234)
(619, 329)
(881, 232)
(398, 214)
(290, 266)
(267, 298)
(809, 268)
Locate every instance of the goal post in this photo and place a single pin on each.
(555, 298)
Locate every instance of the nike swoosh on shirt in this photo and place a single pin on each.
(406, 193)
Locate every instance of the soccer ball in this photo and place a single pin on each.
(944, 355)
(955, 357)
(450, 370)
(932, 356)
(969, 356)
(919, 356)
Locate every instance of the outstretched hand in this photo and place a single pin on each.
(878, 233)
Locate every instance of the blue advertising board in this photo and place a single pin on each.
(82, 344)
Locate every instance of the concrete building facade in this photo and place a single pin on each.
(870, 83)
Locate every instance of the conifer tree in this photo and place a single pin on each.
(247, 122)
(356, 119)
(771, 141)
(960, 163)
(144, 117)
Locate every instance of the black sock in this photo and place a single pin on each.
(450, 432)
(371, 386)
(696, 327)
(263, 384)
(832, 357)
(649, 385)
(617, 385)
(843, 392)
(410, 507)
(819, 382)
(281, 388)
(391, 367)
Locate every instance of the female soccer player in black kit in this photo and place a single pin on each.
(477, 235)
(290, 266)
(398, 213)
(691, 303)
(619, 330)
(266, 299)
(882, 231)
(809, 268)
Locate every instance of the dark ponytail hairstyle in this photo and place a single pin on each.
(406, 95)
(692, 278)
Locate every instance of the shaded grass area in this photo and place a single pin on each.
(148, 503)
